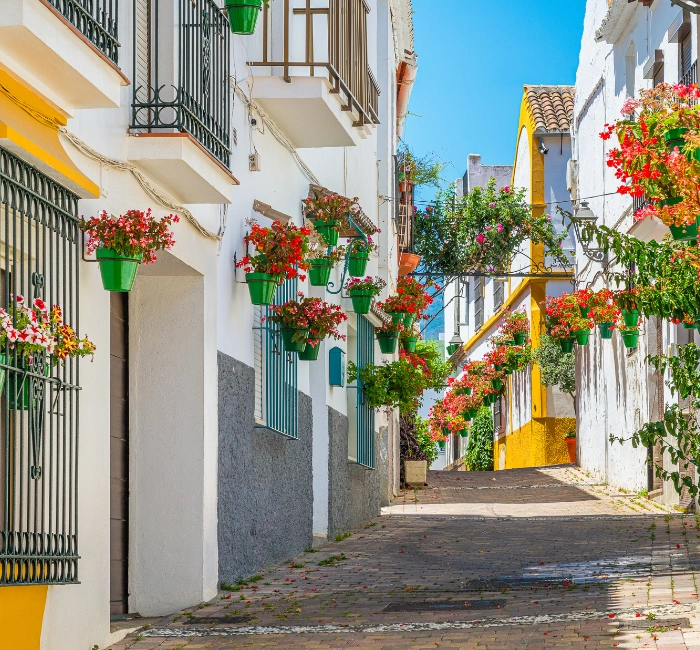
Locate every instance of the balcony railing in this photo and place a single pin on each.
(690, 77)
(181, 77)
(334, 44)
(96, 20)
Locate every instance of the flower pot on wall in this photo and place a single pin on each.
(606, 330)
(328, 231)
(408, 263)
(310, 352)
(567, 345)
(684, 232)
(320, 272)
(630, 338)
(674, 138)
(118, 271)
(387, 342)
(357, 264)
(571, 448)
(361, 301)
(262, 287)
(243, 15)
(631, 317)
(415, 472)
(582, 337)
(290, 345)
(519, 339)
(409, 343)
(397, 317)
(442, 444)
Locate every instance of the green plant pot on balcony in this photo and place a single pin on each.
(361, 301)
(409, 343)
(606, 330)
(442, 444)
(630, 338)
(567, 345)
(19, 386)
(357, 264)
(582, 337)
(397, 317)
(329, 231)
(387, 342)
(408, 320)
(631, 317)
(291, 345)
(519, 339)
(310, 352)
(243, 15)
(262, 287)
(118, 271)
(320, 272)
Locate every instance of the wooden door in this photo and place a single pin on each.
(119, 453)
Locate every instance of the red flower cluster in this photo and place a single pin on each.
(322, 319)
(412, 297)
(563, 316)
(282, 250)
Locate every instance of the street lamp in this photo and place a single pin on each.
(583, 220)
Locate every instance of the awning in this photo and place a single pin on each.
(363, 222)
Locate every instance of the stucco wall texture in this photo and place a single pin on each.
(354, 492)
(539, 442)
(265, 501)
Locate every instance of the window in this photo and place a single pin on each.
(478, 303)
(364, 415)
(498, 294)
(276, 390)
(658, 76)
(40, 243)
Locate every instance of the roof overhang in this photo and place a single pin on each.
(619, 13)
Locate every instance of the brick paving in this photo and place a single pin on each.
(533, 558)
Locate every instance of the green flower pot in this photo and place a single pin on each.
(397, 317)
(243, 15)
(3, 371)
(686, 232)
(494, 398)
(674, 138)
(442, 444)
(631, 317)
(630, 338)
(606, 330)
(486, 400)
(408, 320)
(497, 384)
(118, 271)
(387, 342)
(328, 231)
(510, 343)
(582, 337)
(452, 348)
(262, 287)
(290, 345)
(320, 272)
(19, 387)
(310, 352)
(508, 371)
(690, 326)
(498, 367)
(361, 301)
(409, 343)
(567, 345)
(463, 434)
(585, 311)
(520, 339)
(357, 264)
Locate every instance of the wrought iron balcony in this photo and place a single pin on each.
(181, 72)
(327, 42)
(96, 20)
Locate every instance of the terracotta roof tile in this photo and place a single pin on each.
(552, 106)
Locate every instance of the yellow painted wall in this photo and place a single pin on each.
(540, 442)
(21, 617)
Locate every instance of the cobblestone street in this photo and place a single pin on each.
(533, 558)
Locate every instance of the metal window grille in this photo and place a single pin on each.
(39, 257)
(478, 303)
(364, 414)
(187, 91)
(96, 20)
(280, 397)
(498, 294)
(690, 76)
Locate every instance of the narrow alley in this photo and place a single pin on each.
(529, 558)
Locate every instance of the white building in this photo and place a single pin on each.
(185, 475)
(626, 47)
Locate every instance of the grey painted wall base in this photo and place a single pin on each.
(265, 500)
(354, 492)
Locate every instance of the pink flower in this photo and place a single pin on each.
(499, 227)
(492, 204)
(629, 106)
(506, 189)
(480, 238)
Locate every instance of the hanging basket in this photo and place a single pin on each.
(243, 15)
(409, 343)
(320, 272)
(585, 311)
(684, 232)
(606, 330)
(508, 371)
(118, 271)
(387, 342)
(397, 317)
(357, 264)
(20, 386)
(519, 339)
(361, 301)
(442, 444)
(497, 384)
(262, 287)
(486, 400)
(408, 320)
(631, 317)
(582, 337)
(674, 138)
(290, 345)
(328, 231)
(567, 345)
(310, 352)
(463, 433)
(630, 338)
(690, 326)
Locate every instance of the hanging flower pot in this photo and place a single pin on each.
(361, 301)
(452, 348)
(310, 352)
(262, 287)
(292, 339)
(690, 326)
(243, 15)
(631, 317)
(606, 330)
(357, 264)
(464, 433)
(582, 337)
(20, 385)
(497, 384)
(498, 367)
(442, 444)
(585, 311)
(118, 271)
(329, 231)
(486, 400)
(684, 232)
(567, 345)
(388, 342)
(320, 272)
(397, 317)
(674, 138)
(519, 339)
(508, 371)
(362, 291)
(494, 398)
(408, 320)
(630, 338)
(409, 343)
(510, 343)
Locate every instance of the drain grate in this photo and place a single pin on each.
(660, 623)
(497, 584)
(443, 605)
(227, 620)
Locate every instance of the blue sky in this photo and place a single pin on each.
(474, 57)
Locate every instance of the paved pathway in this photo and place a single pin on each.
(520, 559)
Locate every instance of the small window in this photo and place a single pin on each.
(659, 76)
(478, 303)
(498, 294)
(687, 69)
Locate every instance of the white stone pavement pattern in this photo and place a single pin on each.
(531, 558)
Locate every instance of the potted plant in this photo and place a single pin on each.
(243, 14)
(409, 340)
(388, 337)
(122, 243)
(327, 213)
(561, 313)
(362, 291)
(280, 254)
(358, 256)
(630, 335)
(604, 312)
(627, 302)
(515, 326)
(570, 440)
(321, 262)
